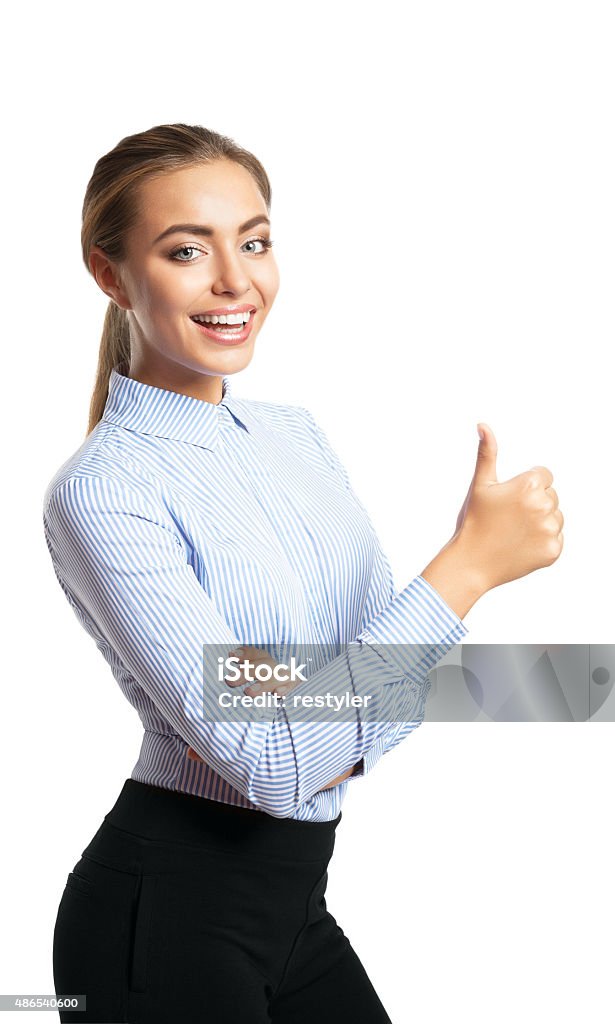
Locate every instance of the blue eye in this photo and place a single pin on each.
(175, 255)
(184, 248)
(265, 242)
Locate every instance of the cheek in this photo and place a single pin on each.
(269, 282)
(166, 290)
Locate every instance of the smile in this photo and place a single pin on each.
(225, 330)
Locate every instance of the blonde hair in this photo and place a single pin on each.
(110, 210)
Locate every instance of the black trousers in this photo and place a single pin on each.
(183, 910)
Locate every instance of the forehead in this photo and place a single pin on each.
(220, 194)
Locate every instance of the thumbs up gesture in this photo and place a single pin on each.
(510, 528)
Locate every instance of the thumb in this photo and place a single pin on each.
(485, 471)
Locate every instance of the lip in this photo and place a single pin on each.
(223, 310)
(235, 339)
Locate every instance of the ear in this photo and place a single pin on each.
(107, 276)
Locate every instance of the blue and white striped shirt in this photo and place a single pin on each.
(180, 523)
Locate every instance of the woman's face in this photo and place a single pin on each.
(217, 262)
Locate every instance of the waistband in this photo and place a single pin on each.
(167, 816)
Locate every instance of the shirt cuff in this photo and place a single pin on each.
(415, 630)
(369, 760)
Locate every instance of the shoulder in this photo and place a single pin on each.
(278, 415)
(102, 475)
(301, 429)
(295, 422)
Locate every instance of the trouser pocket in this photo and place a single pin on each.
(143, 909)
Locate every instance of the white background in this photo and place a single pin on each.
(450, 162)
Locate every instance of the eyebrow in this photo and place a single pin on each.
(202, 229)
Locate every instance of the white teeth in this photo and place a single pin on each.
(230, 318)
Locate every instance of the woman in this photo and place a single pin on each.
(191, 525)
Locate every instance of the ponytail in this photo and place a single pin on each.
(114, 349)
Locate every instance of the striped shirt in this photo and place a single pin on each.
(179, 524)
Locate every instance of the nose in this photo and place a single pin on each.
(230, 273)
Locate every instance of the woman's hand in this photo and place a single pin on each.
(257, 656)
(253, 656)
(508, 529)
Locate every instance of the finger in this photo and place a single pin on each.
(244, 653)
(553, 494)
(271, 685)
(268, 686)
(555, 522)
(546, 476)
(258, 657)
(554, 515)
(237, 659)
(485, 469)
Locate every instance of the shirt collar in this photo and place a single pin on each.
(152, 410)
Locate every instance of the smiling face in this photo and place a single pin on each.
(164, 281)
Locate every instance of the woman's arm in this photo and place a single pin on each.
(119, 560)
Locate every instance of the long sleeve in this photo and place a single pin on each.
(124, 569)
(417, 613)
